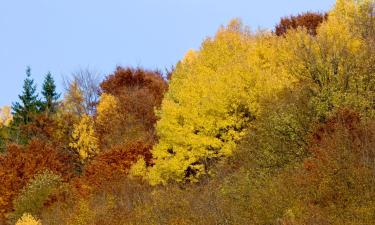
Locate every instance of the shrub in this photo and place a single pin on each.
(116, 163)
(20, 164)
(35, 194)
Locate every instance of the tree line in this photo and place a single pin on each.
(268, 127)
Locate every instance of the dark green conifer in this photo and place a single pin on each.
(29, 103)
(50, 96)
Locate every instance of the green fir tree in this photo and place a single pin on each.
(29, 103)
(50, 96)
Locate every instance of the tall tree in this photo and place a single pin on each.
(87, 81)
(29, 101)
(49, 94)
(213, 97)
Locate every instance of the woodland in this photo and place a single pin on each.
(254, 127)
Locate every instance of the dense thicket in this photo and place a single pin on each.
(251, 128)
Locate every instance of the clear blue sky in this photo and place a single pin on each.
(62, 36)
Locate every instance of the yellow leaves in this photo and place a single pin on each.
(73, 100)
(84, 141)
(138, 169)
(212, 100)
(28, 219)
(6, 116)
(189, 56)
(107, 109)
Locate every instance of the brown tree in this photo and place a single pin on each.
(138, 92)
(309, 20)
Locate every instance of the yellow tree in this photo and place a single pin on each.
(5, 116)
(336, 64)
(214, 95)
(28, 219)
(73, 100)
(84, 140)
(108, 121)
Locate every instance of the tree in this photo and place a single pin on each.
(126, 107)
(49, 93)
(22, 111)
(73, 100)
(5, 116)
(213, 97)
(309, 21)
(84, 141)
(6, 119)
(87, 82)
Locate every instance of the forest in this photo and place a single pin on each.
(254, 127)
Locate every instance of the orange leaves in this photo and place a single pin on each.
(310, 21)
(139, 91)
(20, 164)
(115, 163)
(133, 94)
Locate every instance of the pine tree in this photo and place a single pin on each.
(49, 94)
(29, 101)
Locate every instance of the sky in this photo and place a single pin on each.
(63, 36)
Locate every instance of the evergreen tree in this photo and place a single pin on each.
(49, 94)
(29, 101)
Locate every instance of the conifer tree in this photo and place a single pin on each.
(49, 94)
(29, 101)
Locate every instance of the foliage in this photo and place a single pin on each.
(116, 162)
(213, 97)
(5, 116)
(28, 219)
(84, 141)
(6, 119)
(341, 166)
(20, 164)
(135, 94)
(252, 128)
(35, 194)
(73, 100)
(334, 65)
(309, 21)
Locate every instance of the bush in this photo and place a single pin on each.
(21, 163)
(35, 194)
(115, 163)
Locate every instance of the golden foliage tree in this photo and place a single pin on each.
(5, 116)
(84, 140)
(214, 95)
